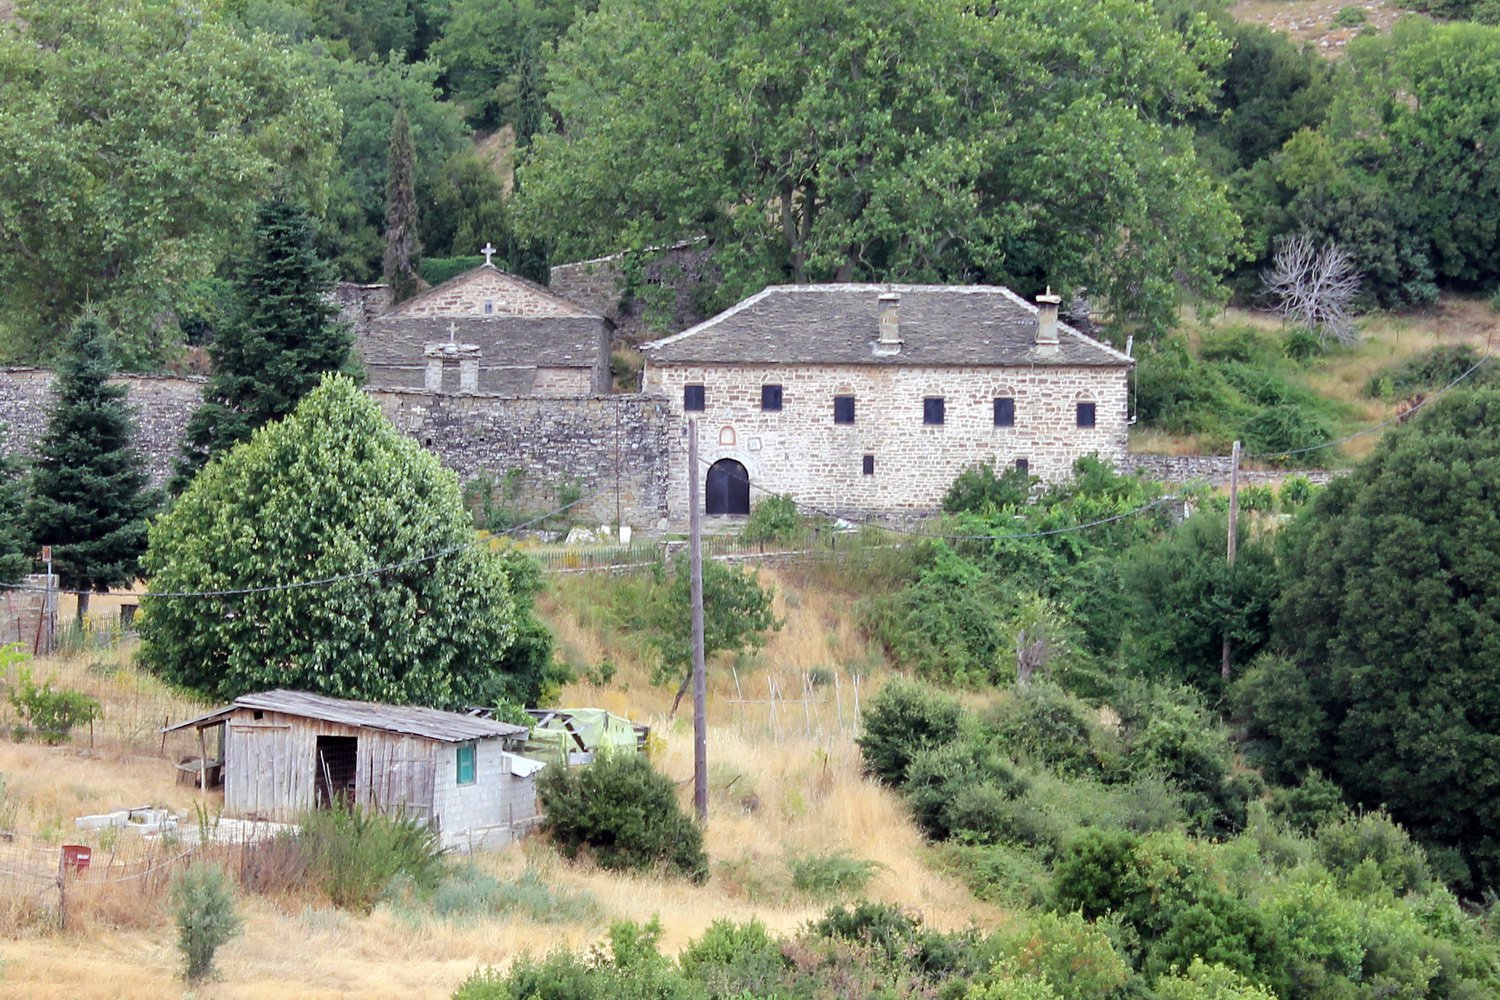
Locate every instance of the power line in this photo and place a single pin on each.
(328, 581)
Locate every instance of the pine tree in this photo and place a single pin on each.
(89, 499)
(402, 248)
(14, 545)
(275, 347)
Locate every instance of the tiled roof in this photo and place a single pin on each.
(551, 342)
(967, 325)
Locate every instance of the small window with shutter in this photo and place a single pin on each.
(465, 763)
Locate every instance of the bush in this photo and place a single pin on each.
(834, 874)
(1350, 17)
(624, 814)
(977, 490)
(1072, 955)
(1374, 849)
(1043, 724)
(353, 854)
(1295, 492)
(1431, 369)
(774, 519)
(734, 960)
(204, 908)
(469, 891)
(49, 712)
(903, 719)
(1309, 805)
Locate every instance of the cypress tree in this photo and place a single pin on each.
(88, 490)
(402, 248)
(280, 339)
(15, 547)
(528, 92)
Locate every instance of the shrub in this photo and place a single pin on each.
(1262, 498)
(1047, 726)
(49, 712)
(204, 908)
(1071, 954)
(1209, 981)
(469, 891)
(1350, 17)
(1431, 369)
(1375, 843)
(353, 854)
(624, 814)
(1295, 492)
(734, 960)
(978, 490)
(883, 926)
(833, 874)
(774, 519)
(903, 719)
(1309, 805)
(937, 783)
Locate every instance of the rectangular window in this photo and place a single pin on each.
(1085, 414)
(1023, 466)
(489, 307)
(1005, 412)
(770, 397)
(843, 409)
(466, 763)
(692, 397)
(869, 465)
(932, 410)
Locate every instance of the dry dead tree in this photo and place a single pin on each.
(1315, 286)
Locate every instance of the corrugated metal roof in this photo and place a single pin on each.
(429, 723)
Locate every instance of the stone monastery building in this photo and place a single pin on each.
(487, 331)
(872, 398)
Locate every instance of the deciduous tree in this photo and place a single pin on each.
(138, 138)
(88, 498)
(1390, 615)
(350, 562)
(1023, 142)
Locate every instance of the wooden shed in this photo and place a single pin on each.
(284, 753)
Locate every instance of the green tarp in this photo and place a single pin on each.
(579, 731)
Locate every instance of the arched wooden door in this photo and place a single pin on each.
(728, 488)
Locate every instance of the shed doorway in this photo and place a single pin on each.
(336, 761)
(728, 488)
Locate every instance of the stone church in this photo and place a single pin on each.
(483, 332)
(873, 398)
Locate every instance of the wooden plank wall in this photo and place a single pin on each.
(270, 767)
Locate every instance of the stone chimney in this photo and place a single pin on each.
(444, 356)
(890, 323)
(1046, 318)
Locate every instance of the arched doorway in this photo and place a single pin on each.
(728, 488)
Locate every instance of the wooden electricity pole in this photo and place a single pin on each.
(700, 679)
(1234, 527)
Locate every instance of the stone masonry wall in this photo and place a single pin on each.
(161, 406)
(801, 451)
(611, 448)
(485, 292)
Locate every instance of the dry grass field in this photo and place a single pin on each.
(782, 786)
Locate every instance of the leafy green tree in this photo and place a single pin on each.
(1391, 615)
(737, 614)
(357, 573)
(492, 49)
(15, 546)
(402, 248)
(89, 499)
(139, 137)
(367, 93)
(1184, 599)
(922, 139)
(280, 340)
(467, 211)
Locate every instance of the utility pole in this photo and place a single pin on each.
(700, 678)
(1234, 526)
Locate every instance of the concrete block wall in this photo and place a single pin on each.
(800, 451)
(496, 798)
